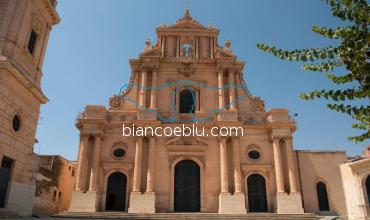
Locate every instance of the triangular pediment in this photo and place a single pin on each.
(188, 25)
(187, 22)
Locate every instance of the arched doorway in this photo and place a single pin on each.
(368, 188)
(257, 201)
(322, 196)
(187, 187)
(187, 101)
(116, 192)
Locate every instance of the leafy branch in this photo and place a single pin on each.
(352, 53)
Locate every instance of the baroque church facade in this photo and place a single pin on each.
(257, 172)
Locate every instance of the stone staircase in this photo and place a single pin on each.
(188, 216)
(4, 213)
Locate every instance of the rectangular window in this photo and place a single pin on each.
(60, 195)
(54, 195)
(32, 41)
(73, 172)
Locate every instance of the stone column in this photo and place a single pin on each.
(95, 167)
(137, 167)
(197, 104)
(278, 165)
(237, 171)
(197, 48)
(291, 165)
(82, 162)
(221, 98)
(143, 89)
(178, 49)
(223, 165)
(153, 92)
(151, 165)
(232, 89)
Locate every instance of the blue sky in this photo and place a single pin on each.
(88, 52)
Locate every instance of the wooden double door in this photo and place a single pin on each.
(187, 187)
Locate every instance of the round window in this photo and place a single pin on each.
(119, 152)
(16, 123)
(254, 155)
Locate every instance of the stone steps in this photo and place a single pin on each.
(187, 216)
(4, 213)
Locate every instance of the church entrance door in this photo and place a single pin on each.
(187, 187)
(116, 192)
(256, 193)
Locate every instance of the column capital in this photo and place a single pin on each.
(149, 66)
(222, 138)
(287, 137)
(84, 135)
(226, 67)
(99, 135)
(276, 138)
(235, 138)
(219, 69)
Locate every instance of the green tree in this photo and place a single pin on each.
(352, 53)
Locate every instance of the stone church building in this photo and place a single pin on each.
(25, 26)
(257, 172)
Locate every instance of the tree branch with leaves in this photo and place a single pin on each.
(352, 53)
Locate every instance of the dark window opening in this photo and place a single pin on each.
(54, 195)
(254, 155)
(32, 42)
(7, 163)
(119, 152)
(16, 123)
(73, 172)
(60, 195)
(187, 101)
(368, 188)
(322, 196)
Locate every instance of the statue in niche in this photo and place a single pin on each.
(187, 51)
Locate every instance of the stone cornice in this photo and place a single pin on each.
(24, 81)
(281, 137)
(117, 165)
(138, 65)
(51, 9)
(360, 165)
(163, 31)
(282, 124)
(246, 168)
(230, 65)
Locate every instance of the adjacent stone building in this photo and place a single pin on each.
(54, 185)
(25, 26)
(187, 79)
(356, 185)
